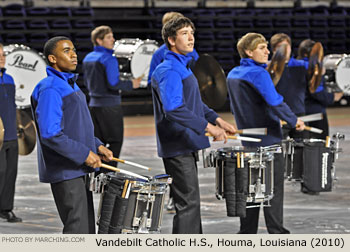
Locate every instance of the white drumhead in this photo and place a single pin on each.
(27, 68)
(342, 75)
(141, 61)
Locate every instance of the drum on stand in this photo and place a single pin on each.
(129, 204)
(27, 67)
(134, 58)
(244, 175)
(337, 72)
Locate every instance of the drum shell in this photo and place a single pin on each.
(337, 68)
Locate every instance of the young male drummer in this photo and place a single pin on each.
(181, 121)
(101, 77)
(9, 150)
(321, 99)
(67, 148)
(255, 103)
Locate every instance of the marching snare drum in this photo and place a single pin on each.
(131, 205)
(243, 175)
(27, 67)
(337, 72)
(134, 57)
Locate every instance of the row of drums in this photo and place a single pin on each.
(245, 174)
(28, 67)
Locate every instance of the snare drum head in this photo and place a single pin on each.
(235, 149)
(27, 67)
(342, 75)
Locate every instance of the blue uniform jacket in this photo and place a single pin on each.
(318, 101)
(293, 85)
(255, 102)
(159, 56)
(8, 106)
(180, 115)
(101, 77)
(66, 132)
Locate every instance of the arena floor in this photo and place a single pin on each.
(309, 214)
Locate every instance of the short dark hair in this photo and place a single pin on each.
(172, 26)
(51, 44)
(305, 48)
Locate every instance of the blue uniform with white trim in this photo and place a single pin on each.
(255, 102)
(66, 131)
(180, 115)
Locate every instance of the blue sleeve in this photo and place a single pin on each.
(157, 58)
(263, 83)
(98, 143)
(322, 96)
(268, 91)
(49, 115)
(112, 71)
(170, 89)
(210, 114)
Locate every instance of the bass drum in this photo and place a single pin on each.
(134, 58)
(337, 72)
(27, 67)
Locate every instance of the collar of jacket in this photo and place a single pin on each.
(103, 49)
(251, 62)
(183, 59)
(62, 75)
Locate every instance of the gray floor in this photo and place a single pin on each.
(326, 213)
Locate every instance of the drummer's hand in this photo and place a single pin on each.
(106, 154)
(136, 82)
(218, 133)
(338, 96)
(93, 160)
(225, 126)
(300, 126)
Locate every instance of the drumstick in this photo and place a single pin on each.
(253, 131)
(248, 139)
(308, 128)
(131, 163)
(123, 171)
(312, 117)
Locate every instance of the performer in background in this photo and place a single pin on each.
(181, 120)
(293, 84)
(9, 150)
(317, 102)
(101, 77)
(67, 147)
(159, 54)
(255, 103)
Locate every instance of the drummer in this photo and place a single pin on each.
(181, 121)
(67, 148)
(293, 84)
(102, 79)
(255, 103)
(317, 102)
(9, 150)
(158, 58)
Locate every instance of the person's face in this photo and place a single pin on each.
(64, 57)
(289, 49)
(2, 58)
(107, 41)
(260, 54)
(184, 41)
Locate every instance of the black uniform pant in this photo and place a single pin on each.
(8, 174)
(185, 192)
(274, 214)
(109, 127)
(75, 206)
